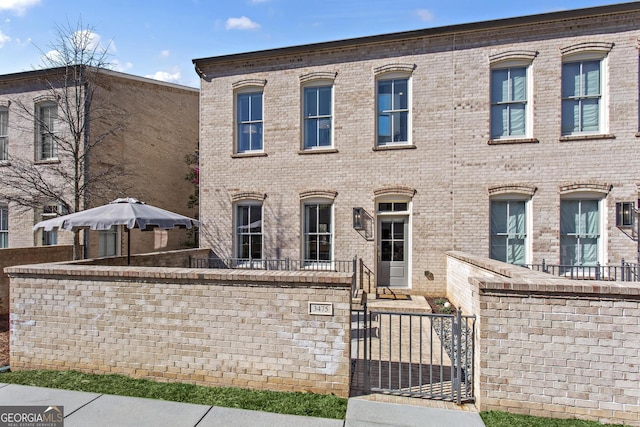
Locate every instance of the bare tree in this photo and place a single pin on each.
(73, 71)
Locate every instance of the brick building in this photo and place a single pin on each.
(147, 127)
(511, 139)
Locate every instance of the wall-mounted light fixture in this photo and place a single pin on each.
(358, 220)
(625, 214)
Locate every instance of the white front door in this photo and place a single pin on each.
(393, 251)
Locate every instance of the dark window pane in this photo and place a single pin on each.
(385, 247)
(400, 95)
(385, 207)
(398, 251)
(310, 102)
(324, 101)
(256, 106)
(310, 133)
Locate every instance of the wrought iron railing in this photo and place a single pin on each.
(285, 264)
(625, 272)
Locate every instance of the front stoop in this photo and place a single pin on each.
(416, 303)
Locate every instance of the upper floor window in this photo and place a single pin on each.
(509, 231)
(318, 231)
(582, 97)
(46, 125)
(393, 111)
(318, 127)
(4, 135)
(248, 234)
(249, 121)
(509, 102)
(4, 226)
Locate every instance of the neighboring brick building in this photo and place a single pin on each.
(512, 139)
(159, 128)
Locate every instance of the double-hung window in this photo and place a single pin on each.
(582, 97)
(4, 226)
(46, 125)
(249, 231)
(249, 119)
(318, 232)
(509, 102)
(49, 238)
(580, 229)
(4, 135)
(393, 111)
(318, 108)
(509, 231)
(108, 242)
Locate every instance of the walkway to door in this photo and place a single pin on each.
(413, 354)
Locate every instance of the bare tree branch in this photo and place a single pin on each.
(74, 66)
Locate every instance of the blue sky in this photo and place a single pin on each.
(159, 39)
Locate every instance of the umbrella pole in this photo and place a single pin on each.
(128, 246)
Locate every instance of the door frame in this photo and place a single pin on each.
(392, 214)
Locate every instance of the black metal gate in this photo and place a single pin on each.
(411, 354)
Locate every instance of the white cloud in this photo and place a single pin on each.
(121, 66)
(258, 1)
(165, 76)
(93, 41)
(53, 56)
(4, 38)
(18, 6)
(242, 23)
(85, 42)
(164, 54)
(425, 15)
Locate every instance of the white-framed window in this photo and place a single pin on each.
(583, 95)
(393, 106)
(248, 235)
(47, 120)
(581, 229)
(318, 116)
(249, 120)
(4, 226)
(4, 135)
(317, 231)
(48, 238)
(108, 242)
(510, 106)
(509, 228)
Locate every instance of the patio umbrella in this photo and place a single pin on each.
(126, 211)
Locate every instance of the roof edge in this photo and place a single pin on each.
(618, 8)
(26, 75)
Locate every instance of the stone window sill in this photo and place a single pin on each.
(506, 141)
(47, 162)
(243, 155)
(394, 147)
(318, 151)
(567, 138)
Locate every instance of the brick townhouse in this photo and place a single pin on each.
(159, 124)
(513, 139)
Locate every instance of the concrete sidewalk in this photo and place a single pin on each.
(83, 409)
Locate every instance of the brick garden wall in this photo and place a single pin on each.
(212, 327)
(549, 346)
(17, 256)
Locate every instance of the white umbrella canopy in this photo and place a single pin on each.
(129, 212)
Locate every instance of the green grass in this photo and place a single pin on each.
(504, 419)
(308, 404)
